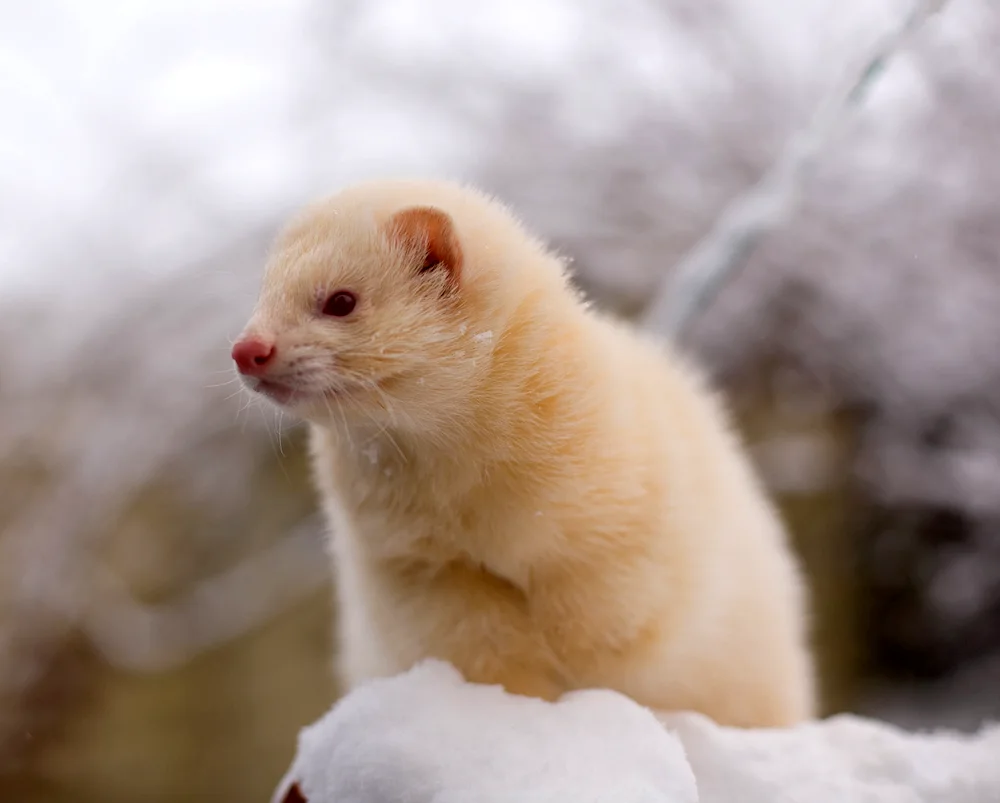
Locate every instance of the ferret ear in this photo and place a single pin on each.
(431, 233)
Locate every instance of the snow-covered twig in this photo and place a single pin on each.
(724, 250)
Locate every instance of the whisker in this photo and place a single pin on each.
(270, 435)
(222, 384)
(281, 447)
(343, 416)
(392, 415)
(245, 408)
(383, 429)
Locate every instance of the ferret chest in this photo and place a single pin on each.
(400, 513)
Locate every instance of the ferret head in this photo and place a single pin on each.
(367, 316)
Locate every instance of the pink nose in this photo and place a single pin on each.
(252, 355)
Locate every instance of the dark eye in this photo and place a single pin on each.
(340, 304)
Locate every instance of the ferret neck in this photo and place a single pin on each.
(522, 408)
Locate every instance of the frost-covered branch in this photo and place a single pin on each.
(724, 250)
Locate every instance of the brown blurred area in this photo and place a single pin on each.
(165, 602)
(220, 724)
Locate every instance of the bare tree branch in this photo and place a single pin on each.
(724, 250)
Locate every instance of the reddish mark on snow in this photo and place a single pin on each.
(294, 795)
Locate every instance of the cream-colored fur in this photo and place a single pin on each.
(519, 485)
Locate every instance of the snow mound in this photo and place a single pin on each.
(426, 736)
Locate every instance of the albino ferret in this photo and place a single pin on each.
(515, 483)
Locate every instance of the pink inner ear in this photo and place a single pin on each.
(433, 231)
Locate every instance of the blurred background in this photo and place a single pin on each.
(165, 610)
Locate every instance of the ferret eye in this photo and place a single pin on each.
(340, 304)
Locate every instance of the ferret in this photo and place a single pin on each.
(516, 483)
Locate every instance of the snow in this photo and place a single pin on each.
(426, 736)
